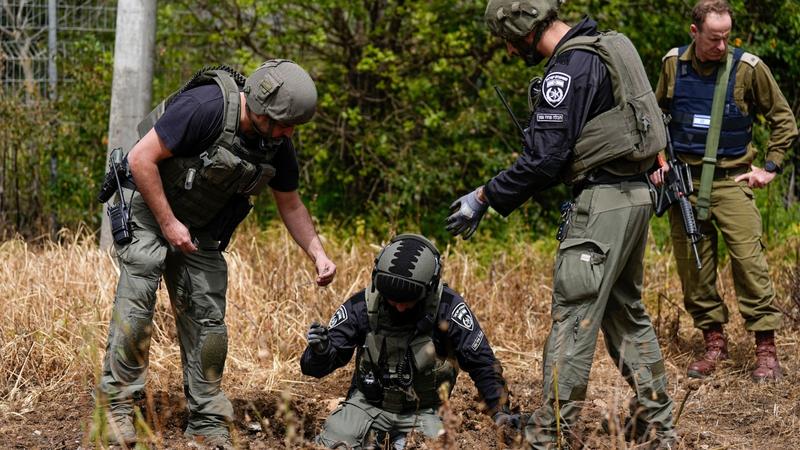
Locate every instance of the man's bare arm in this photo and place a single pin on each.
(297, 220)
(143, 160)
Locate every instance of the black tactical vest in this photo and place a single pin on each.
(692, 98)
(198, 187)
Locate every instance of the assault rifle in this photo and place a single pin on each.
(119, 214)
(676, 188)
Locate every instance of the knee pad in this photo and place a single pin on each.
(133, 346)
(213, 351)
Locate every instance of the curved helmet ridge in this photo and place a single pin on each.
(282, 90)
(407, 269)
(514, 19)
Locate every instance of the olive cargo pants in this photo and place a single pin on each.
(597, 285)
(734, 213)
(358, 423)
(197, 284)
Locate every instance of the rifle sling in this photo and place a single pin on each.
(712, 142)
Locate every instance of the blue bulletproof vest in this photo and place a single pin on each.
(691, 112)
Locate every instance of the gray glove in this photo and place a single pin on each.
(317, 337)
(466, 214)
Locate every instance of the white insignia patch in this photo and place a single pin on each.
(463, 317)
(338, 317)
(555, 118)
(477, 342)
(555, 88)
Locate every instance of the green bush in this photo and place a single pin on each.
(408, 119)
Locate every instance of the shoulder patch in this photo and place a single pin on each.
(338, 317)
(555, 88)
(673, 52)
(463, 317)
(751, 59)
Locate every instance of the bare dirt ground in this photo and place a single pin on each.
(56, 302)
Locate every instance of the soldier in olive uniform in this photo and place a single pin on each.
(203, 153)
(597, 127)
(410, 333)
(686, 90)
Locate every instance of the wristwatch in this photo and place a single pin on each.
(771, 167)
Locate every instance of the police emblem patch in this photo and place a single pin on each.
(555, 88)
(463, 317)
(338, 317)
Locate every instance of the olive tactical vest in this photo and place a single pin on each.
(403, 358)
(625, 139)
(198, 187)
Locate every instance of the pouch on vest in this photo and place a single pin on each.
(424, 353)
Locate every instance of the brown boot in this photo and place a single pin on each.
(716, 350)
(767, 366)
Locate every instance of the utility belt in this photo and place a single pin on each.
(719, 172)
(396, 401)
(601, 177)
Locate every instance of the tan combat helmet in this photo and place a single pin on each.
(282, 90)
(512, 20)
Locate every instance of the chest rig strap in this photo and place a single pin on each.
(712, 143)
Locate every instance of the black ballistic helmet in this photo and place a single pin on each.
(407, 269)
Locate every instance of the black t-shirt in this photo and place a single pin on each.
(193, 121)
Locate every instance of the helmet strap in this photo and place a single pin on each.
(527, 51)
(266, 137)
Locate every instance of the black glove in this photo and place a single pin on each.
(466, 214)
(317, 337)
(506, 419)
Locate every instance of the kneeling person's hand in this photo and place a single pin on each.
(506, 419)
(317, 337)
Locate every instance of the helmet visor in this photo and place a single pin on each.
(399, 289)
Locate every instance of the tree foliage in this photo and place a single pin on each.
(408, 119)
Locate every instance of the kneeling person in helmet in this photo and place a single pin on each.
(203, 153)
(410, 333)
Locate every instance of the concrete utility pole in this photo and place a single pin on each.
(52, 77)
(131, 89)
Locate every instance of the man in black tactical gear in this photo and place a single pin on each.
(597, 127)
(410, 333)
(202, 154)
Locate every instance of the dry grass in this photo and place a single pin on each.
(57, 300)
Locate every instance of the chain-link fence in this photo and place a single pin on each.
(34, 34)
